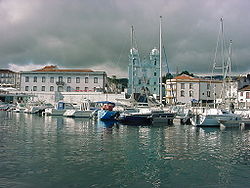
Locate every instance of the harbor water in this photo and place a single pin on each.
(43, 152)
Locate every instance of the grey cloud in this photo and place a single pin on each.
(82, 33)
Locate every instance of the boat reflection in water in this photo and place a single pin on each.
(105, 124)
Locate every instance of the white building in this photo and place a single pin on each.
(185, 89)
(9, 78)
(52, 79)
(244, 97)
(243, 81)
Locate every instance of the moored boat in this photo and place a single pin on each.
(106, 113)
(212, 118)
(146, 116)
(85, 110)
(59, 109)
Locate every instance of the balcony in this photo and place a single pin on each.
(60, 83)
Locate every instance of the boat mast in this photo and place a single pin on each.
(160, 79)
(132, 48)
(220, 44)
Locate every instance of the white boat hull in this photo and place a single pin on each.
(54, 112)
(78, 113)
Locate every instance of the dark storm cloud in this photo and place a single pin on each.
(81, 33)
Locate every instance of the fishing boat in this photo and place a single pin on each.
(59, 110)
(106, 112)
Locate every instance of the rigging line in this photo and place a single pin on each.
(165, 55)
(170, 80)
(120, 55)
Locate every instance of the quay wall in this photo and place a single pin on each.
(73, 97)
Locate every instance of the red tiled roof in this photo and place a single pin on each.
(53, 68)
(185, 77)
(247, 88)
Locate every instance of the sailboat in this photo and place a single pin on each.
(148, 113)
(214, 117)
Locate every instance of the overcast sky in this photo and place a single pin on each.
(96, 33)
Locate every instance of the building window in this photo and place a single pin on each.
(86, 89)
(26, 79)
(77, 88)
(60, 89)
(68, 89)
(241, 94)
(208, 86)
(191, 86)
(139, 82)
(208, 93)
(155, 61)
(247, 95)
(43, 79)
(154, 73)
(35, 79)
(51, 88)
(86, 79)
(77, 79)
(51, 79)
(95, 80)
(148, 82)
(182, 85)
(191, 94)
(154, 83)
(34, 88)
(43, 88)
(60, 79)
(69, 80)
(182, 93)
(154, 89)
(26, 88)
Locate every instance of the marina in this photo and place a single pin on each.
(124, 94)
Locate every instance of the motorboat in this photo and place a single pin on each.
(36, 107)
(5, 106)
(146, 116)
(183, 113)
(85, 110)
(135, 117)
(60, 109)
(212, 117)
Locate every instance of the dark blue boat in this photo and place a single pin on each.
(134, 117)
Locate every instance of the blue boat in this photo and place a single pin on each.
(107, 113)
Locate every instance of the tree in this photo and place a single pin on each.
(187, 73)
(166, 77)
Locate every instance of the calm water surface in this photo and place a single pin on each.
(63, 152)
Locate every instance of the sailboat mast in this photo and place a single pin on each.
(160, 76)
(132, 66)
(222, 47)
(132, 37)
